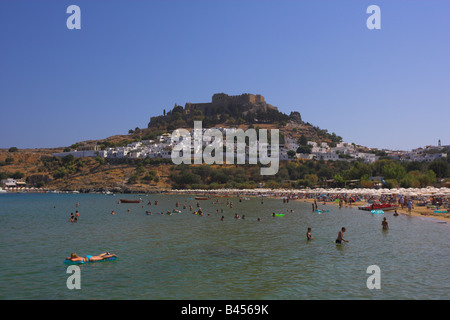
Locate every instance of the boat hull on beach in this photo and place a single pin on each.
(130, 201)
(378, 206)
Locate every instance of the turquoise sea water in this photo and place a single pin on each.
(186, 256)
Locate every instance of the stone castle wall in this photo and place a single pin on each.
(247, 102)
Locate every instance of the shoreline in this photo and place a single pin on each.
(418, 194)
(421, 212)
(305, 195)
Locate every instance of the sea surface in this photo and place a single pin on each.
(187, 256)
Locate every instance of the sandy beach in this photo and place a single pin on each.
(415, 210)
(418, 195)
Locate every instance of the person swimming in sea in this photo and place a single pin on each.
(74, 257)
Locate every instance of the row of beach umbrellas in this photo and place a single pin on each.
(411, 192)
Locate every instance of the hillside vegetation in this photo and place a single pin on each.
(40, 169)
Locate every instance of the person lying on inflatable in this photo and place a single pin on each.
(103, 256)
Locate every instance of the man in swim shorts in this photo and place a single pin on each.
(340, 236)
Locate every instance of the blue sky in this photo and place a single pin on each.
(387, 88)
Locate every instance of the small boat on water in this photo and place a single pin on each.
(201, 198)
(3, 191)
(378, 206)
(130, 201)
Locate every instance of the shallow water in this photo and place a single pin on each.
(186, 256)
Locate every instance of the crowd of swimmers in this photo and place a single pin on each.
(74, 217)
(229, 204)
(339, 239)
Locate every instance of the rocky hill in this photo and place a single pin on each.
(39, 169)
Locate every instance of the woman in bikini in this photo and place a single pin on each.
(88, 258)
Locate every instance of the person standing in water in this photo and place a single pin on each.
(340, 236)
(308, 235)
(384, 223)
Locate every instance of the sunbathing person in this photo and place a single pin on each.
(74, 257)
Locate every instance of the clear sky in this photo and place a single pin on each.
(386, 88)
